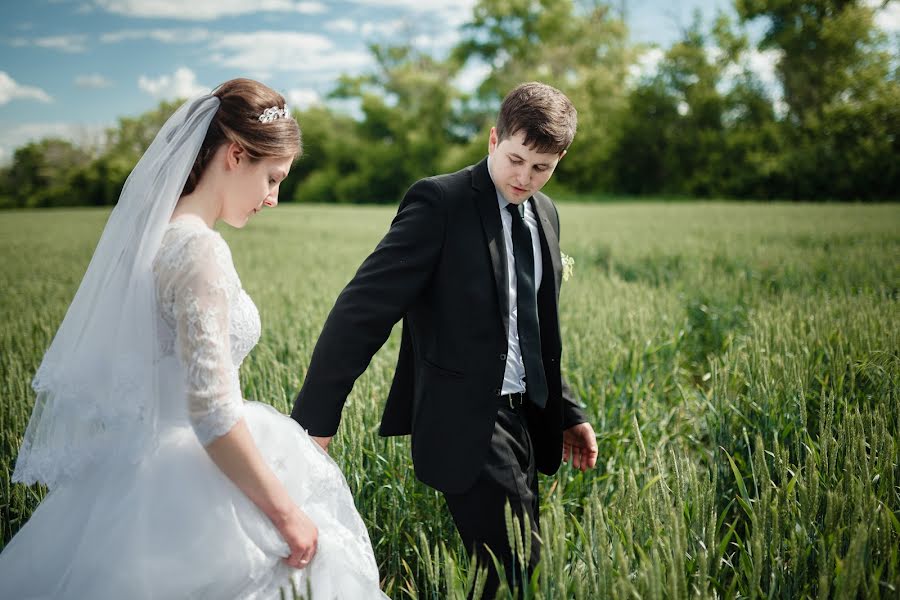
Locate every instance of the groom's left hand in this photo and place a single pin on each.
(580, 446)
(322, 441)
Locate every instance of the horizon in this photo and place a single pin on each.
(72, 68)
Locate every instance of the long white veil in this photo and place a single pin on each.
(96, 387)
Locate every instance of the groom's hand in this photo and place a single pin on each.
(322, 441)
(580, 446)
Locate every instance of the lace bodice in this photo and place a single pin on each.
(208, 322)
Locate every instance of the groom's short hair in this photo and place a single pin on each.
(544, 113)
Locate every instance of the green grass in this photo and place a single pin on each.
(739, 362)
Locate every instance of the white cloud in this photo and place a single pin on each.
(351, 107)
(201, 10)
(369, 28)
(888, 17)
(342, 26)
(383, 28)
(71, 44)
(449, 13)
(181, 84)
(165, 36)
(420, 5)
(763, 63)
(302, 98)
(65, 43)
(282, 42)
(471, 76)
(93, 81)
(11, 90)
(646, 64)
(781, 107)
(267, 51)
(437, 42)
(431, 33)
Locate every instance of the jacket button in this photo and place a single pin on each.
(497, 391)
(502, 357)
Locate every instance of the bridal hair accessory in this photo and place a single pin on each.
(271, 114)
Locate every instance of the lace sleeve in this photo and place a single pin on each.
(202, 289)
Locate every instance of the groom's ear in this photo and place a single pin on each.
(492, 140)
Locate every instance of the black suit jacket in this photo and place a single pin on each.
(442, 269)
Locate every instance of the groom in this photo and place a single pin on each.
(471, 264)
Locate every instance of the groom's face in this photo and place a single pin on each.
(519, 171)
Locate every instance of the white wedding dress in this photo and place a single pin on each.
(173, 526)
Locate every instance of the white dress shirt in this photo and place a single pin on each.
(514, 376)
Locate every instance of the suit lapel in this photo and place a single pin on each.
(486, 200)
(547, 295)
(549, 242)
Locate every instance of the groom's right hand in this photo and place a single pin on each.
(322, 441)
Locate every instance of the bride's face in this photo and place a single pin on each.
(252, 185)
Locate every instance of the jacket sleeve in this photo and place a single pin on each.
(377, 297)
(572, 411)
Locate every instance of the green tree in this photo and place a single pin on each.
(40, 173)
(406, 129)
(581, 48)
(330, 147)
(702, 124)
(843, 100)
(750, 161)
(133, 135)
(642, 162)
(101, 181)
(7, 189)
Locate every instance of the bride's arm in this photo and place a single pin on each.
(237, 455)
(201, 281)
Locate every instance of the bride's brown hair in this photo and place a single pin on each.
(242, 101)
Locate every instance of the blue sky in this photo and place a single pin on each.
(71, 67)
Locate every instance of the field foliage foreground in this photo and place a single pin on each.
(740, 364)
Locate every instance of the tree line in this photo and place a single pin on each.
(702, 123)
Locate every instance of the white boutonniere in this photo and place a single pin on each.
(568, 265)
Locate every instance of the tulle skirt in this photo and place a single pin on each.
(174, 526)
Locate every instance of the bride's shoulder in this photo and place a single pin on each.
(188, 242)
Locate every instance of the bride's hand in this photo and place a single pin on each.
(302, 537)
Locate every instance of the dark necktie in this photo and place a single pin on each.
(526, 301)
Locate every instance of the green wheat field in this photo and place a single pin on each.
(739, 362)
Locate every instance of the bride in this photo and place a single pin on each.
(163, 482)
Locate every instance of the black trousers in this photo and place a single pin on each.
(509, 475)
